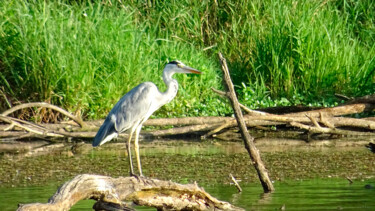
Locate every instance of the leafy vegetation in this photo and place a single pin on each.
(86, 55)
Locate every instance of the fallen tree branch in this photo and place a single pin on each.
(25, 129)
(248, 110)
(183, 130)
(45, 105)
(365, 99)
(247, 138)
(207, 120)
(29, 129)
(142, 191)
(208, 126)
(318, 129)
(336, 111)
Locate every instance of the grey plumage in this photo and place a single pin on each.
(136, 106)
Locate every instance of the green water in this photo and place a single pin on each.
(317, 194)
(306, 176)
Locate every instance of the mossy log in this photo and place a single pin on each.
(111, 194)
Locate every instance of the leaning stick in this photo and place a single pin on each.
(248, 140)
(235, 183)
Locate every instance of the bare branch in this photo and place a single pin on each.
(248, 110)
(44, 105)
(247, 138)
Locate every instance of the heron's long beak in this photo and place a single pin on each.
(188, 69)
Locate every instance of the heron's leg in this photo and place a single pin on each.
(136, 146)
(128, 146)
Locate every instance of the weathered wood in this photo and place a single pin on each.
(365, 99)
(185, 121)
(248, 139)
(163, 195)
(318, 129)
(21, 130)
(336, 111)
(183, 130)
(44, 105)
(330, 117)
(28, 128)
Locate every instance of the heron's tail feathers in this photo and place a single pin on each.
(106, 133)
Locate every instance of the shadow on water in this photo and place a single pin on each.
(307, 176)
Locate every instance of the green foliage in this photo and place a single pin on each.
(310, 49)
(86, 55)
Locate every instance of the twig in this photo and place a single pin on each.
(43, 133)
(313, 120)
(326, 122)
(45, 105)
(248, 110)
(330, 130)
(235, 183)
(350, 180)
(218, 129)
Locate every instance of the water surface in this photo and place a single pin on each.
(316, 194)
(306, 175)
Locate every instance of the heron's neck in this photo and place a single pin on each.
(172, 86)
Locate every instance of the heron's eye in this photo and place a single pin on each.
(180, 65)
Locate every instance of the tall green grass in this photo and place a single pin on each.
(86, 55)
(292, 51)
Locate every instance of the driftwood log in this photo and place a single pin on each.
(111, 194)
(330, 121)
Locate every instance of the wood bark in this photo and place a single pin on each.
(113, 192)
(247, 138)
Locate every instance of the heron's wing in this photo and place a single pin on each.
(131, 110)
(135, 107)
(106, 133)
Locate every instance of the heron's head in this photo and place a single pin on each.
(179, 67)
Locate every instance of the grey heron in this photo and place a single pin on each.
(136, 106)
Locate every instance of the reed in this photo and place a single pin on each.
(86, 55)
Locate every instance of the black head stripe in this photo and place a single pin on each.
(174, 62)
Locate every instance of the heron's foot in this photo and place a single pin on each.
(138, 177)
(141, 178)
(132, 174)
